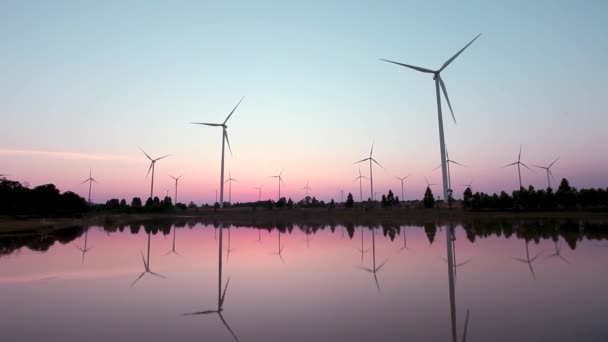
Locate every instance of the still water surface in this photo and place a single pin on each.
(416, 283)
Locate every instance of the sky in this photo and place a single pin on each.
(85, 83)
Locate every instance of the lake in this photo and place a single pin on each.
(187, 281)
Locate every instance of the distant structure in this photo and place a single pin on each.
(360, 179)
(448, 162)
(176, 180)
(519, 163)
(280, 179)
(548, 170)
(152, 166)
(307, 188)
(90, 180)
(229, 181)
(371, 177)
(402, 192)
(259, 189)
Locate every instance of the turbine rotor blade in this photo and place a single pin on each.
(235, 107)
(150, 169)
(447, 98)
(206, 124)
(362, 160)
(457, 54)
(374, 160)
(511, 164)
(228, 141)
(144, 153)
(457, 163)
(162, 157)
(519, 156)
(553, 162)
(409, 66)
(526, 166)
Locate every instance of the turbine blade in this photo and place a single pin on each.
(228, 141)
(519, 156)
(235, 107)
(409, 66)
(361, 161)
(526, 166)
(374, 160)
(553, 162)
(93, 179)
(150, 169)
(372, 150)
(510, 164)
(201, 313)
(86, 180)
(457, 163)
(466, 327)
(162, 157)
(440, 165)
(144, 152)
(445, 65)
(206, 124)
(447, 98)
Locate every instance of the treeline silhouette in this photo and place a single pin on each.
(572, 231)
(42, 201)
(530, 199)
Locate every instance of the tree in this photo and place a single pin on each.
(429, 200)
(467, 198)
(136, 202)
(349, 201)
(290, 204)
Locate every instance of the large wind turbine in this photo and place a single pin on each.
(152, 165)
(360, 179)
(371, 177)
(306, 188)
(90, 180)
(439, 83)
(402, 179)
(229, 181)
(518, 163)
(259, 189)
(548, 169)
(280, 178)
(176, 180)
(224, 140)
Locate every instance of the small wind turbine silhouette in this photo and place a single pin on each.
(548, 170)
(152, 166)
(374, 270)
(229, 181)
(371, 176)
(518, 163)
(428, 185)
(470, 185)
(529, 261)
(176, 180)
(146, 266)
(360, 179)
(439, 83)
(259, 189)
(280, 179)
(224, 140)
(402, 179)
(448, 162)
(90, 180)
(307, 188)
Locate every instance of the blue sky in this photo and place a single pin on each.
(100, 78)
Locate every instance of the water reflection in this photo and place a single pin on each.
(279, 247)
(455, 263)
(450, 238)
(362, 250)
(221, 295)
(146, 265)
(529, 260)
(375, 269)
(173, 251)
(84, 249)
(229, 249)
(558, 253)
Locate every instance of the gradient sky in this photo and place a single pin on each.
(84, 83)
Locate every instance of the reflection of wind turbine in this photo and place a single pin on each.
(548, 170)
(229, 249)
(280, 178)
(360, 179)
(84, 249)
(449, 233)
(558, 253)
(529, 261)
(173, 251)
(221, 295)
(259, 189)
(90, 180)
(404, 242)
(402, 179)
(224, 140)
(152, 166)
(362, 250)
(146, 266)
(519, 163)
(176, 180)
(454, 262)
(279, 248)
(306, 188)
(439, 83)
(448, 161)
(374, 270)
(371, 176)
(229, 181)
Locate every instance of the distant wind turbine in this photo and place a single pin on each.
(371, 177)
(518, 163)
(470, 185)
(448, 162)
(90, 180)
(548, 170)
(439, 83)
(224, 140)
(360, 179)
(402, 179)
(152, 165)
(259, 189)
(428, 185)
(306, 188)
(280, 179)
(146, 266)
(229, 181)
(176, 180)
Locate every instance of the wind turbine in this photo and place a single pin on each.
(371, 177)
(402, 179)
(279, 247)
(548, 170)
(259, 189)
(173, 251)
(428, 185)
(176, 180)
(439, 83)
(306, 188)
(374, 270)
(449, 232)
(518, 163)
(529, 261)
(558, 253)
(229, 181)
(152, 165)
(90, 180)
(224, 140)
(280, 178)
(84, 249)
(448, 161)
(146, 266)
(362, 249)
(360, 179)
(470, 185)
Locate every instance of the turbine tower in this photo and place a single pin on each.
(280, 178)
(439, 83)
(548, 170)
(306, 188)
(519, 163)
(402, 179)
(229, 181)
(224, 140)
(259, 189)
(371, 177)
(176, 180)
(90, 180)
(360, 179)
(152, 165)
